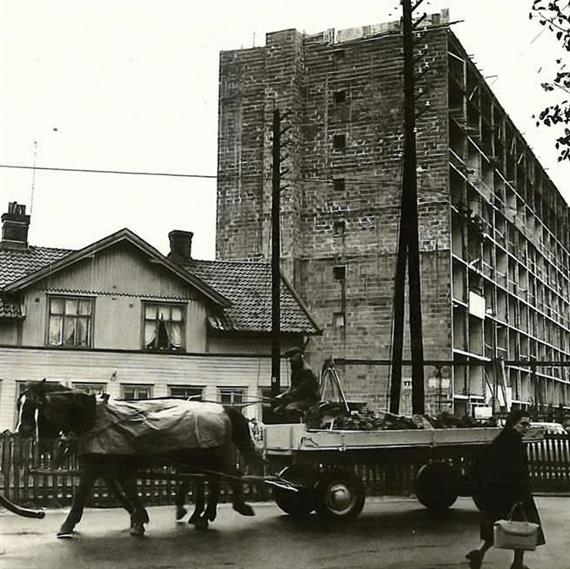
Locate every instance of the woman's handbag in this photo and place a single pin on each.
(510, 534)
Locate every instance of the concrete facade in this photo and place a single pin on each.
(340, 207)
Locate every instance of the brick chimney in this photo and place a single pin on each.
(15, 225)
(180, 245)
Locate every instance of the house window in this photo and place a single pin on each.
(339, 184)
(136, 391)
(95, 388)
(232, 395)
(164, 326)
(186, 392)
(70, 322)
(339, 142)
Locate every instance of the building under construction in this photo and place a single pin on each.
(494, 232)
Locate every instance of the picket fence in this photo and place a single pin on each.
(21, 459)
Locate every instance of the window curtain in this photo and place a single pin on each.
(163, 330)
(69, 322)
(174, 332)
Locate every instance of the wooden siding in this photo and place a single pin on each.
(121, 268)
(119, 279)
(120, 368)
(8, 331)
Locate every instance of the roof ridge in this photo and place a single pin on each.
(229, 261)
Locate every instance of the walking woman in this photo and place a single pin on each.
(504, 482)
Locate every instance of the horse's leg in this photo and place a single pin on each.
(238, 500)
(180, 499)
(78, 503)
(199, 502)
(213, 498)
(116, 486)
(139, 515)
(116, 489)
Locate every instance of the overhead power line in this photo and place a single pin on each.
(95, 171)
(349, 178)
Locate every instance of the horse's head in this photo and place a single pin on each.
(243, 436)
(47, 409)
(31, 419)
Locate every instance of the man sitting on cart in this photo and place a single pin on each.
(304, 390)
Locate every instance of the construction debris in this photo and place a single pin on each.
(369, 420)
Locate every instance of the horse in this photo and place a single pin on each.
(75, 412)
(65, 447)
(51, 439)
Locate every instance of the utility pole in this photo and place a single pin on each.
(408, 242)
(275, 256)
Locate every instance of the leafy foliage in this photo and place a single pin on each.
(555, 16)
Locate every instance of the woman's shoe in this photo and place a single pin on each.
(475, 559)
(519, 566)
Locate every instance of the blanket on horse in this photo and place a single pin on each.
(155, 426)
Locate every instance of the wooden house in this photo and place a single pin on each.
(119, 317)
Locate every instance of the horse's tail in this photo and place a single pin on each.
(241, 436)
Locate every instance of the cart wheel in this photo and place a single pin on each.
(340, 495)
(296, 504)
(437, 485)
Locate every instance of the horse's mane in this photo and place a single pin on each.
(241, 434)
(44, 387)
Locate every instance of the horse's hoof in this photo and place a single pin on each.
(137, 530)
(201, 524)
(181, 511)
(211, 515)
(244, 509)
(65, 532)
(194, 519)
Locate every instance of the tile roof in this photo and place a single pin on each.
(17, 263)
(248, 286)
(9, 309)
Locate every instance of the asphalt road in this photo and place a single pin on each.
(391, 533)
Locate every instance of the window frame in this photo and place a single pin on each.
(339, 142)
(232, 390)
(90, 387)
(196, 388)
(339, 184)
(339, 320)
(340, 96)
(339, 272)
(136, 386)
(339, 228)
(183, 306)
(90, 320)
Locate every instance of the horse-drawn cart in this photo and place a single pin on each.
(318, 465)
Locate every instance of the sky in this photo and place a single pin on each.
(132, 85)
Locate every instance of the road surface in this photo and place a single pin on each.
(391, 533)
